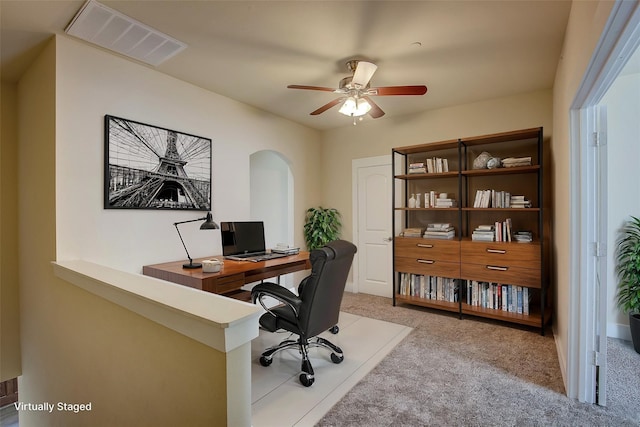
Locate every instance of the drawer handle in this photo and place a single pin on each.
(424, 245)
(495, 267)
(425, 261)
(496, 251)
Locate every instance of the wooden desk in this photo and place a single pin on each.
(232, 276)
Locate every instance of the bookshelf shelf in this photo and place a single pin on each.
(423, 302)
(502, 171)
(518, 210)
(434, 175)
(532, 320)
(425, 209)
(517, 256)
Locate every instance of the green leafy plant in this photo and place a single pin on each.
(322, 225)
(628, 266)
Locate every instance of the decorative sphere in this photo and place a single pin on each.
(493, 163)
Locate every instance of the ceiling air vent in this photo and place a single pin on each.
(112, 30)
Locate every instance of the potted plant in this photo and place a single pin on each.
(322, 225)
(628, 269)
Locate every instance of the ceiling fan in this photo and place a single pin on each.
(356, 92)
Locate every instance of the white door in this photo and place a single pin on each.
(372, 181)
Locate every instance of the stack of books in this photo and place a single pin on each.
(484, 233)
(519, 202)
(412, 232)
(511, 162)
(442, 202)
(418, 167)
(284, 249)
(523, 236)
(439, 231)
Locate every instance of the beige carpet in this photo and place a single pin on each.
(463, 372)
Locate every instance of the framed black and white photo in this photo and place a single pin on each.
(149, 167)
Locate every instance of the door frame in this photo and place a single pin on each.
(620, 38)
(355, 165)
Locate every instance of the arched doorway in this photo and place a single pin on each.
(271, 196)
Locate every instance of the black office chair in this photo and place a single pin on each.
(314, 310)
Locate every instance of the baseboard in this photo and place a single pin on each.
(619, 330)
(562, 359)
(349, 287)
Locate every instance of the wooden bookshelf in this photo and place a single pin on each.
(462, 258)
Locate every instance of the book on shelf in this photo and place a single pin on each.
(435, 226)
(437, 165)
(482, 199)
(428, 287)
(285, 250)
(510, 162)
(519, 202)
(445, 235)
(412, 232)
(417, 168)
(523, 236)
(484, 233)
(492, 199)
(446, 203)
(503, 231)
(497, 296)
(439, 231)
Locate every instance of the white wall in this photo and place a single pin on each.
(376, 138)
(92, 83)
(622, 101)
(77, 347)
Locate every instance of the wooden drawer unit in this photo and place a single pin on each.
(526, 255)
(224, 284)
(427, 267)
(441, 250)
(529, 277)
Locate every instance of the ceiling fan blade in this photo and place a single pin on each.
(375, 111)
(326, 106)
(364, 72)
(326, 89)
(397, 90)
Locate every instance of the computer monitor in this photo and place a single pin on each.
(242, 237)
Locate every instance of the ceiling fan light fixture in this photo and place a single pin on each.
(355, 107)
(364, 72)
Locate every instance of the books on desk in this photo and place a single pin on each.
(285, 250)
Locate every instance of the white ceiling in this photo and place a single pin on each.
(463, 51)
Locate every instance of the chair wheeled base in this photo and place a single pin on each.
(307, 376)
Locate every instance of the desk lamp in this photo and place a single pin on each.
(208, 224)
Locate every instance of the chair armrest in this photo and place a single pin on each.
(278, 292)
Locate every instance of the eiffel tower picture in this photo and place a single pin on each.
(155, 168)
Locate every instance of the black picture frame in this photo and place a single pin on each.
(151, 167)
